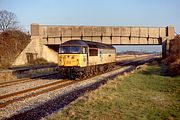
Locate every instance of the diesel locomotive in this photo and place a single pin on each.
(80, 59)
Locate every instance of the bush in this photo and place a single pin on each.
(173, 60)
(175, 45)
(174, 68)
(12, 43)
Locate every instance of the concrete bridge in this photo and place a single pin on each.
(46, 38)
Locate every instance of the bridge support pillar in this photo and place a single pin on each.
(166, 41)
(165, 48)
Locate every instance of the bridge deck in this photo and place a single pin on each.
(104, 34)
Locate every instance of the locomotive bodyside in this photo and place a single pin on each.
(104, 56)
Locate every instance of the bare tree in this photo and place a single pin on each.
(8, 21)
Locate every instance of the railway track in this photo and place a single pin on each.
(32, 92)
(38, 90)
(9, 83)
(24, 80)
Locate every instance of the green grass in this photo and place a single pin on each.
(143, 95)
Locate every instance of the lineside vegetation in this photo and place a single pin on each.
(173, 60)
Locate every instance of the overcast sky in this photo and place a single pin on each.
(158, 13)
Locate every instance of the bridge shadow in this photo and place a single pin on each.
(155, 69)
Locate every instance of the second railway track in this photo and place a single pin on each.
(24, 80)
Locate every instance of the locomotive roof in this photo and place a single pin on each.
(87, 43)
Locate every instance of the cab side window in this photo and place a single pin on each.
(93, 52)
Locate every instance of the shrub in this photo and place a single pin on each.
(173, 60)
(174, 68)
(12, 43)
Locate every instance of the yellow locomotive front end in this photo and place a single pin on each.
(71, 59)
(70, 56)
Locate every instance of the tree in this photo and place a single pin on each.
(8, 21)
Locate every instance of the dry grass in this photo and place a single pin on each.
(6, 76)
(126, 57)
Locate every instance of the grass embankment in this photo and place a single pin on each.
(145, 94)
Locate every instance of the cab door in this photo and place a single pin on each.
(84, 56)
(101, 56)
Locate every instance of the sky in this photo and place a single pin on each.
(152, 13)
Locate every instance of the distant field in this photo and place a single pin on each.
(128, 57)
(145, 94)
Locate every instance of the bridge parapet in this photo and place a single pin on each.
(105, 34)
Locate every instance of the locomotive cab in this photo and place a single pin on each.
(72, 55)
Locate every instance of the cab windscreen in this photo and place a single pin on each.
(70, 49)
